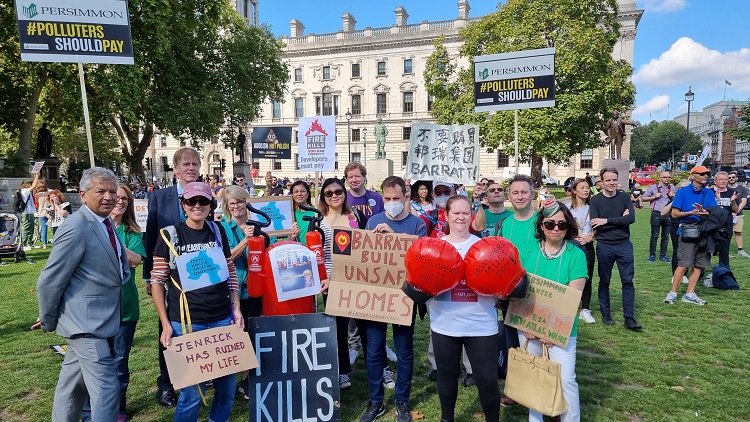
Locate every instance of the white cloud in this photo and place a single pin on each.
(666, 6)
(655, 104)
(688, 62)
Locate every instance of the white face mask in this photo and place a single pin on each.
(394, 208)
(440, 201)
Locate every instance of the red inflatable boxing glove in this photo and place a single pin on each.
(433, 266)
(493, 267)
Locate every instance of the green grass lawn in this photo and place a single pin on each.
(689, 363)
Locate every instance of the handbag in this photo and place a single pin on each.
(534, 381)
(690, 230)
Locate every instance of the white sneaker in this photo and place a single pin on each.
(708, 280)
(388, 379)
(693, 298)
(685, 280)
(27, 248)
(353, 354)
(586, 316)
(743, 254)
(390, 354)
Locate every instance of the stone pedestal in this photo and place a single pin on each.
(240, 167)
(377, 171)
(623, 169)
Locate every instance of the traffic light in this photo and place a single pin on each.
(148, 163)
(223, 164)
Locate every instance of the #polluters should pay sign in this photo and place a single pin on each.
(74, 31)
(548, 311)
(368, 271)
(316, 137)
(205, 355)
(512, 81)
(443, 153)
(297, 377)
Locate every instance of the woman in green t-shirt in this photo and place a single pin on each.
(557, 259)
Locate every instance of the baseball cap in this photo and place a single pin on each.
(699, 169)
(446, 184)
(194, 189)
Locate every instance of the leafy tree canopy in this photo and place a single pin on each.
(743, 130)
(655, 143)
(589, 83)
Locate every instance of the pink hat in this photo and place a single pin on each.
(194, 189)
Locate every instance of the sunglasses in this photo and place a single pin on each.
(493, 190)
(442, 192)
(240, 180)
(331, 193)
(550, 225)
(200, 201)
(705, 173)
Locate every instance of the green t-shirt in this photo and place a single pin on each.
(520, 233)
(130, 310)
(567, 267)
(492, 219)
(303, 225)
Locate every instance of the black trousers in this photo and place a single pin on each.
(663, 223)
(482, 353)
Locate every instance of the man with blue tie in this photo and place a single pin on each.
(79, 296)
(164, 209)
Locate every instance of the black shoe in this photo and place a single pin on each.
(402, 413)
(166, 398)
(432, 375)
(632, 324)
(372, 412)
(608, 320)
(469, 381)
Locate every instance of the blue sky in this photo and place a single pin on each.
(680, 43)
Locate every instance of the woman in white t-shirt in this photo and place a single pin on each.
(459, 318)
(579, 207)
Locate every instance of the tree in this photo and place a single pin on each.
(589, 83)
(656, 142)
(743, 130)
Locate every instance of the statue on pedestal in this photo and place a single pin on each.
(615, 130)
(241, 139)
(43, 142)
(380, 132)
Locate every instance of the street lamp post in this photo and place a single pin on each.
(349, 134)
(689, 96)
(364, 144)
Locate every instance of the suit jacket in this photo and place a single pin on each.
(163, 211)
(79, 288)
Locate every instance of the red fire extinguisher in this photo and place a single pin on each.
(315, 243)
(256, 245)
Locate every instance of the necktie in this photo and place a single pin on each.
(111, 232)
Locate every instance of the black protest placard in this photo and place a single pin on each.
(297, 374)
(272, 142)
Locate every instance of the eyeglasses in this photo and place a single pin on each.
(732, 177)
(705, 173)
(235, 205)
(240, 180)
(550, 225)
(122, 199)
(442, 192)
(331, 193)
(493, 190)
(200, 201)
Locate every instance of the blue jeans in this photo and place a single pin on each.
(189, 403)
(43, 229)
(123, 342)
(403, 340)
(621, 253)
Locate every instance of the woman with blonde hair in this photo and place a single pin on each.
(41, 202)
(58, 209)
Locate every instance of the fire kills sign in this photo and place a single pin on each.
(204, 355)
(297, 375)
(316, 137)
(368, 271)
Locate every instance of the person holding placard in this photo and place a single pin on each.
(193, 259)
(41, 201)
(459, 318)
(28, 219)
(58, 209)
(556, 258)
(300, 192)
(395, 219)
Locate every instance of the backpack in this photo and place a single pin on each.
(431, 221)
(19, 205)
(723, 278)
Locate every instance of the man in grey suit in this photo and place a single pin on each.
(79, 296)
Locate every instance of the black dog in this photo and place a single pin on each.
(20, 255)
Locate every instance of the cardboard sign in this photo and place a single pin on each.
(37, 167)
(548, 311)
(368, 271)
(141, 213)
(205, 355)
(295, 271)
(202, 268)
(297, 374)
(317, 143)
(515, 80)
(443, 153)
